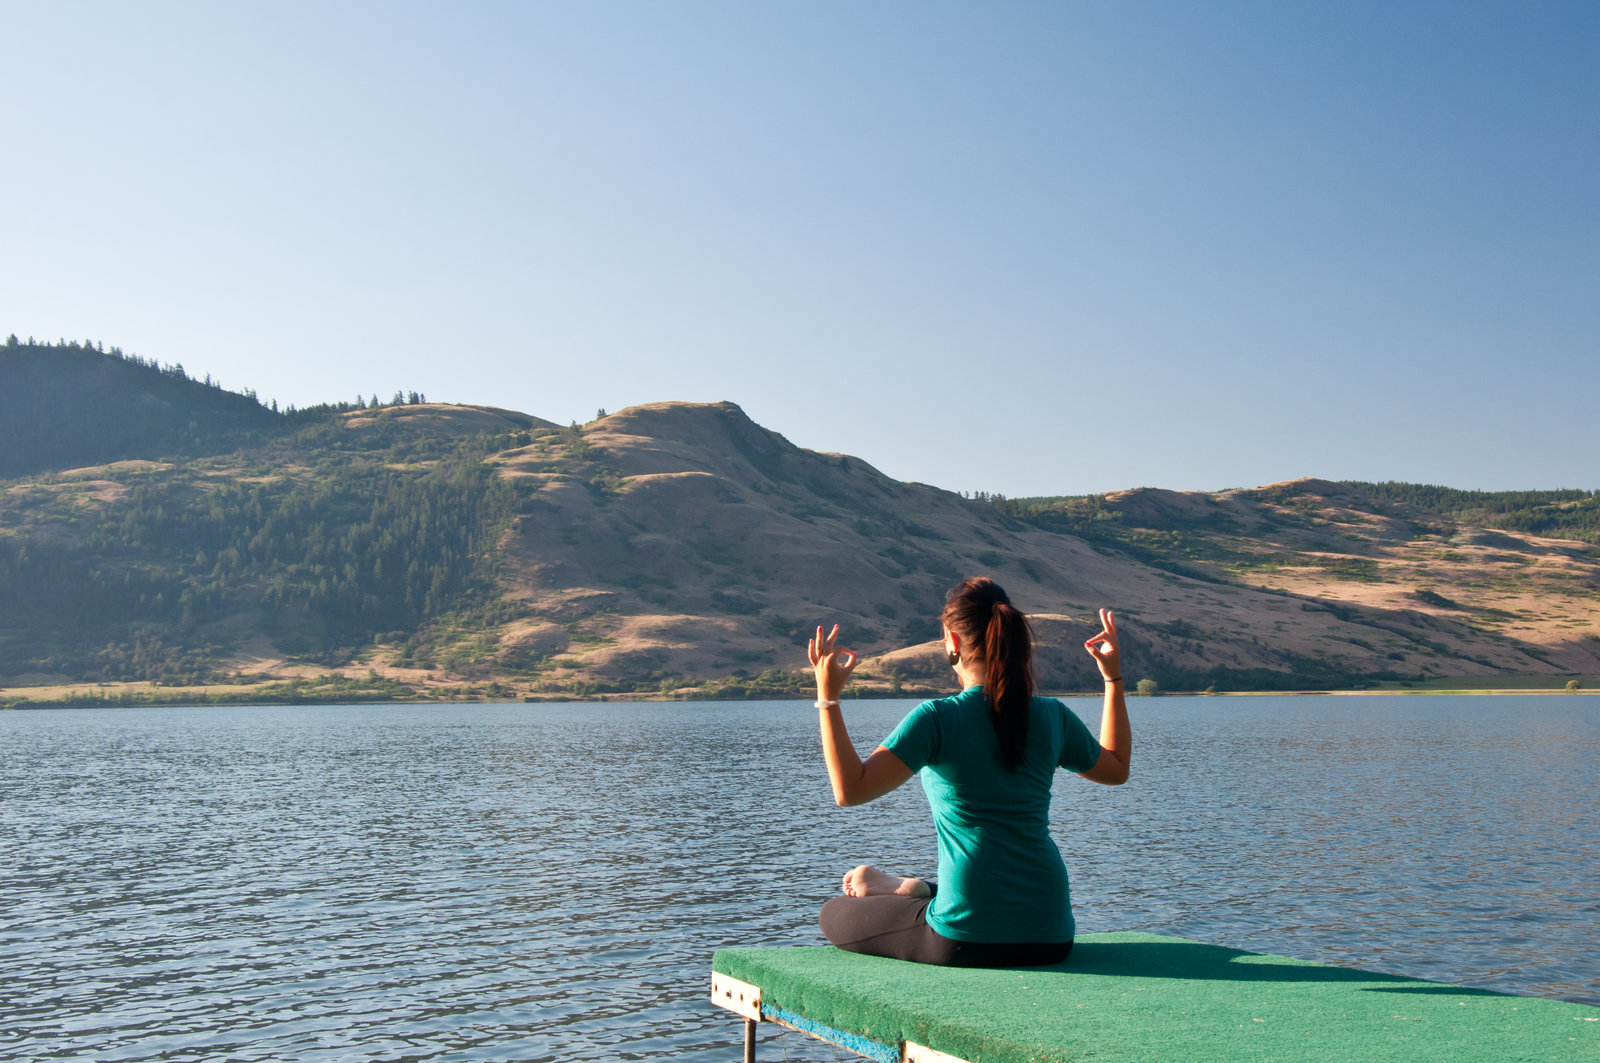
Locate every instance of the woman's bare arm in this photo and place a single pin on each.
(1116, 735)
(855, 782)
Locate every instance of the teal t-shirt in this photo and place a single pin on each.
(1000, 875)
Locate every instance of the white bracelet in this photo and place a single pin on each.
(824, 705)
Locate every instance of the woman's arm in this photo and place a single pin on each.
(854, 782)
(1116, 736)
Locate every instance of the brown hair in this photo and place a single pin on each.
(999, 636)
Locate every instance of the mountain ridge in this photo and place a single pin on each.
(681, 548)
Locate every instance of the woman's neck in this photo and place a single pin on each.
(971, 675)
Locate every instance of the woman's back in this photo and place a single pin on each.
(1001, 877)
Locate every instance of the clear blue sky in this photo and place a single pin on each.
(1029, 248)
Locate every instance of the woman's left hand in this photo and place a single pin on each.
(833, 663)
(1104, 647)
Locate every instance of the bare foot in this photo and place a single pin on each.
(866, 881)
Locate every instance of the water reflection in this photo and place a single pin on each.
(548, 882)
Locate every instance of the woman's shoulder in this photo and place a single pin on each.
(1054, 710)
(1063, 720)
(961, 699)
(935, 706)
(1041, 703)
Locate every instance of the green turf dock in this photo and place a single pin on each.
(1141, 998)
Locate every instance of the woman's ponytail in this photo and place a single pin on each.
(981, 613)
(1008, 679)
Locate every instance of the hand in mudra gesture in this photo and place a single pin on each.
(833, 663)
(1104, 647)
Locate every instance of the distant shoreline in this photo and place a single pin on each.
(146, 697)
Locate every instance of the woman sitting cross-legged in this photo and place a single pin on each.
(987, 757)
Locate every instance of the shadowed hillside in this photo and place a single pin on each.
(72, 405)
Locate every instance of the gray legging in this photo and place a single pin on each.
(897, 927)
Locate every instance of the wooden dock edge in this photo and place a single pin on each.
(744, 1000)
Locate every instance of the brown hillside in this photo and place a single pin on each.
(441, 419)
(682, 541)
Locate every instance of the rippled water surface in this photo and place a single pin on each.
(538, 882)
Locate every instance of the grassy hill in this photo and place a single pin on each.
(426, 550)
(684, 541)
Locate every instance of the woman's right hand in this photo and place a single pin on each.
(1104, 647)
(1116, 738)
(833, 664)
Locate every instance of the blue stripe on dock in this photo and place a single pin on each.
(861, 1046)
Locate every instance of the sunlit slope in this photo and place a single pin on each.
(678, 541)
(1437, 594)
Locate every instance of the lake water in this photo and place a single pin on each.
(542, 882)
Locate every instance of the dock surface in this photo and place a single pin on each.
(1141, 998)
